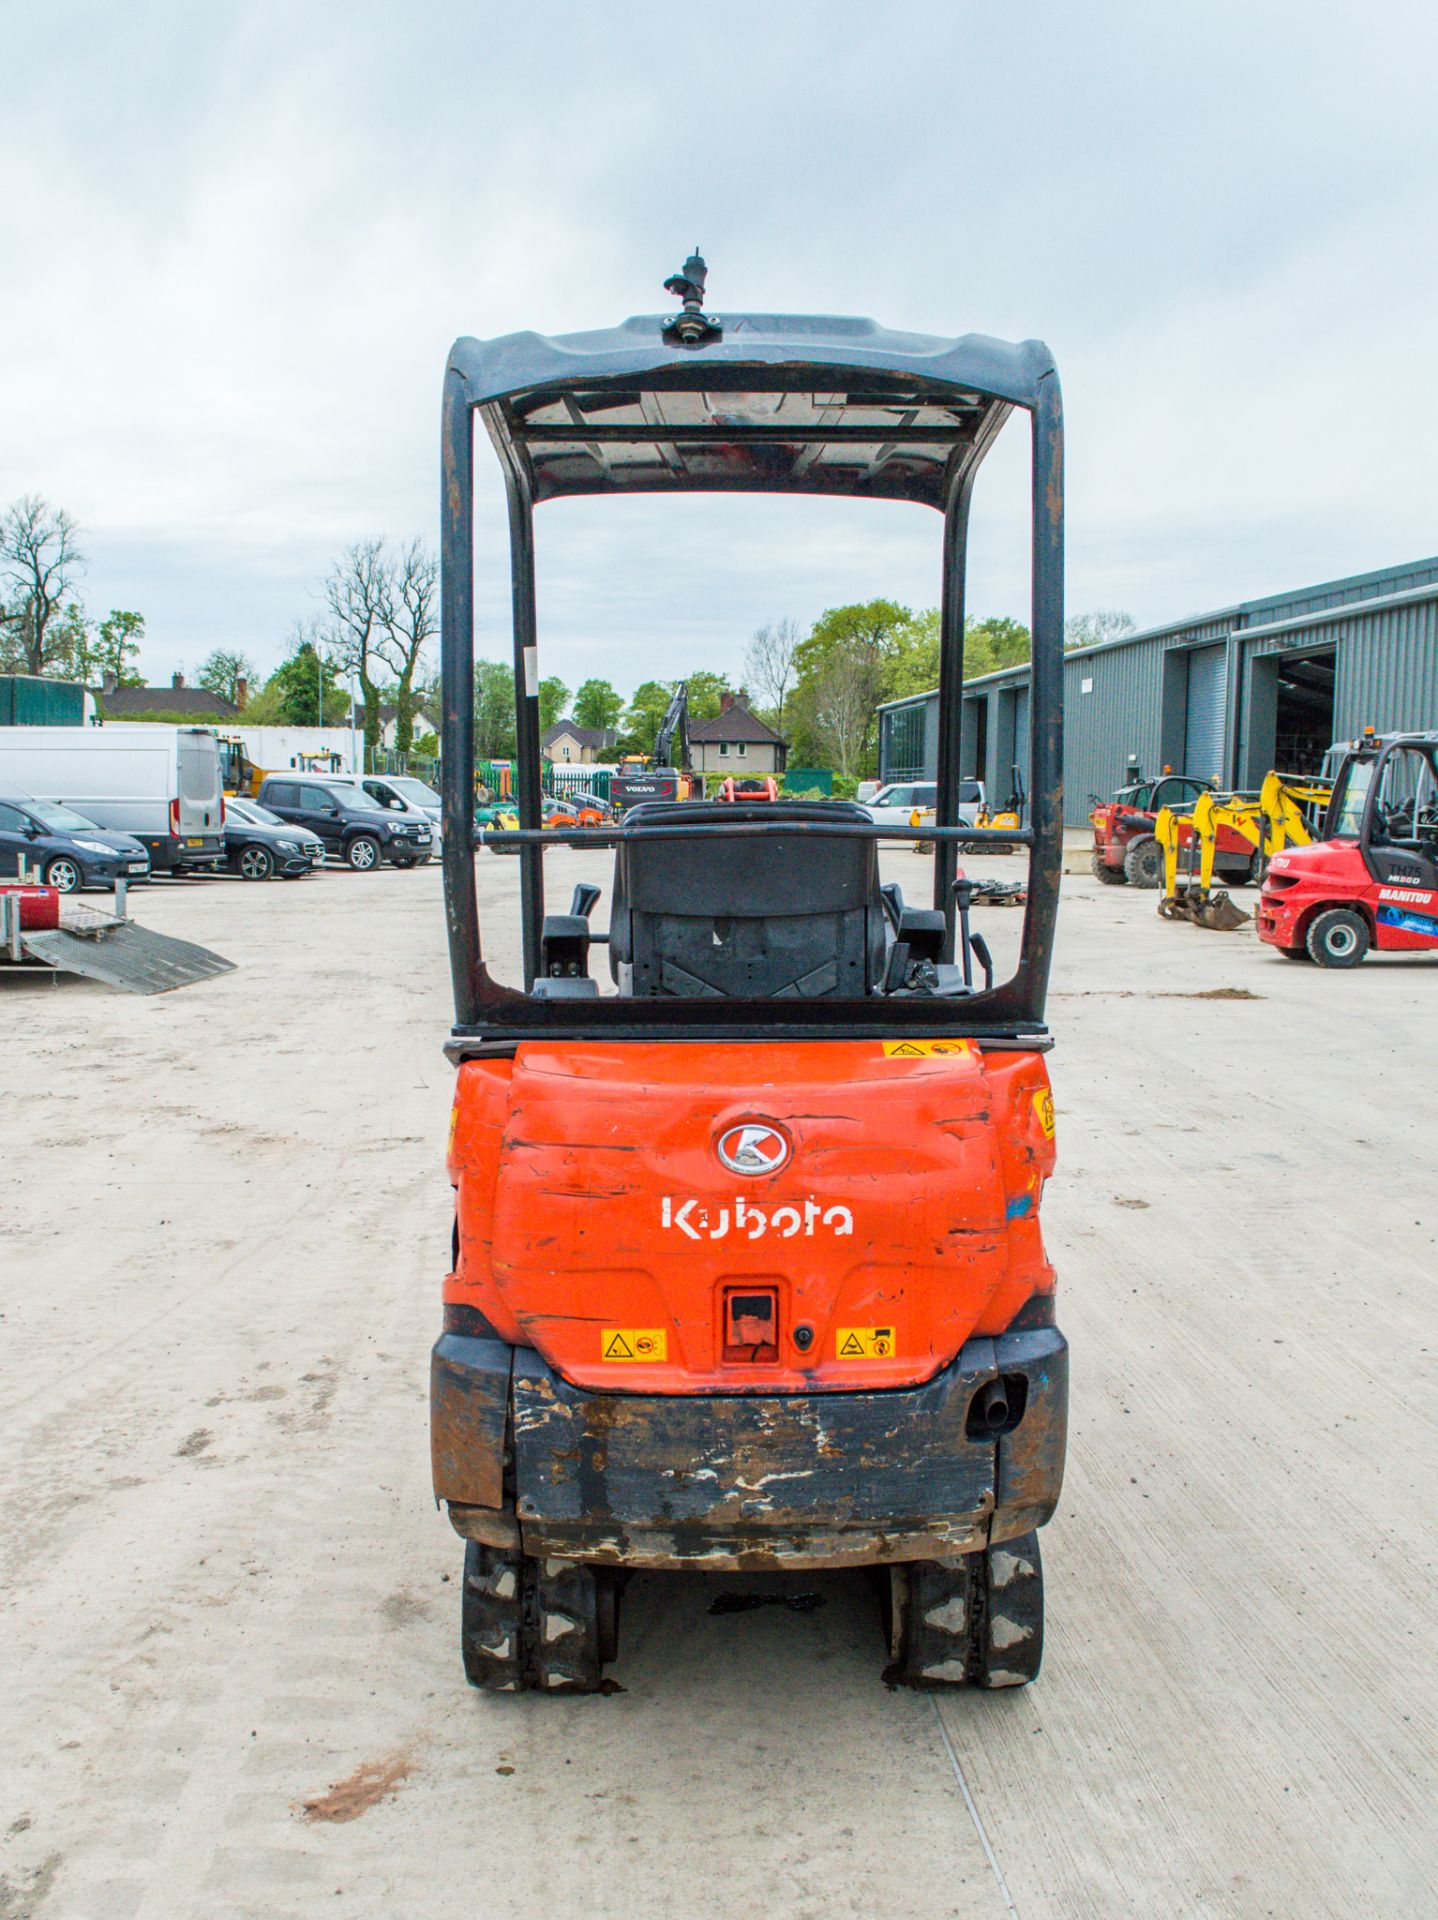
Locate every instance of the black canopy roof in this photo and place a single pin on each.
(782, 403)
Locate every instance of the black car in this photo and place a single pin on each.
(258, 843)
(70, 851)
(353, 826)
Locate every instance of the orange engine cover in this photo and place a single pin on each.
(883, 1196)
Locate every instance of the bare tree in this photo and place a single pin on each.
(842, 696)
(411, 620)
(769, 665)
(223, 671)
(1092, 629)
(359, 593)
(40, 561)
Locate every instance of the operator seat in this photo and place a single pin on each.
(789, 914)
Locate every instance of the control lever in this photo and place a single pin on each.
(898, 966)
(586, 899)
(981, 948)
(892, 895)
(963, 895)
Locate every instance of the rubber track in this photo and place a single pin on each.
(978, 1623)
(528, 1623)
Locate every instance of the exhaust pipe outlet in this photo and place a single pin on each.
(997, 1407)
(994, 1406)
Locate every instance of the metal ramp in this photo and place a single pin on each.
(127, 956)
(106, 947)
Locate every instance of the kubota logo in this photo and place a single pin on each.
(753, 1148)
(699, 1221)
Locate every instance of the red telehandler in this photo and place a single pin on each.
(1371, 879)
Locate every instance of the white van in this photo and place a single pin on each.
(161, 784)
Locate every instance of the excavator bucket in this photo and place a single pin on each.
(1218, 913)
(1215, 911)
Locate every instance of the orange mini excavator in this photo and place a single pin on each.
(747, 1268)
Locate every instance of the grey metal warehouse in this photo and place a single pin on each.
(1224, 696)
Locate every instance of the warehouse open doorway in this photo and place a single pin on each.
(1303, 719)
(974, 752)
(1287, 720)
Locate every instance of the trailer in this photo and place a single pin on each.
(41, 928)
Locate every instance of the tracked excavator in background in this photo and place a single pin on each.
(1287, 811)
(747, 1264)
(667, 777)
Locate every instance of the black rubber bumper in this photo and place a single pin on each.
(747, 1481)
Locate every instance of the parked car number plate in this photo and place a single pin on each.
(195, 840)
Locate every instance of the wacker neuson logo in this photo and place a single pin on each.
(752, 1223)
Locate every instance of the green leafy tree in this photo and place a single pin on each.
(494, 732)
(706, 691)
(72, 642)
(843, 670)
(553, 699)
(597, 704)
(307, 686)
(119, 643)
(913, 662)
(989, 644)
(643, 715)
(994, 642)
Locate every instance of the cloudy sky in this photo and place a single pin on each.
(236, 242)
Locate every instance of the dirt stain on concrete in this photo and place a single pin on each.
(23, 1896)
(370, 1783)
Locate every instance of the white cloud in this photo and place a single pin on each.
(238, 242)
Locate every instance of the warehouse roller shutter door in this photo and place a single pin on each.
(1203, 733)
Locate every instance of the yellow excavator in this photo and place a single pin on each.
(1292, 807)
(1287, 811)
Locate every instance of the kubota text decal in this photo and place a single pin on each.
(714, 1223)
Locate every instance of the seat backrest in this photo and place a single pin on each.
(787, 913)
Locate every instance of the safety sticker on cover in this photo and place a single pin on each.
(1044, 1110)
(864, 1343)
(633, 1343)
(923, 1049)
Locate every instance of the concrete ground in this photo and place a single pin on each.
(231, 1684)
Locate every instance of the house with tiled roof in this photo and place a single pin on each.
(735, 741)
(570, 745)
(425, 717)
(175, 702)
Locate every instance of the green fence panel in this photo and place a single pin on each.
(808, 780)
(561, 780)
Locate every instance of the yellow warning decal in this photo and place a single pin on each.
(1044, 1110)
(923, 1049)
(633, 1343)
(864, 1343)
